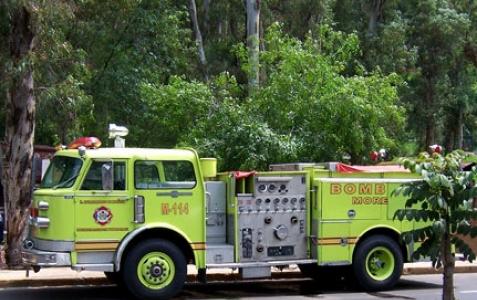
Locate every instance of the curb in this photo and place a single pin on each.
(214, 277)
(431, 270)
(53, 282)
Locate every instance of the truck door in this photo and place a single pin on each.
(103, 214)
(173, 196)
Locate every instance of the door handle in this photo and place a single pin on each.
(174, 194)
(208, 198)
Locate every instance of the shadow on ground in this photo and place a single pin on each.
(213, 290)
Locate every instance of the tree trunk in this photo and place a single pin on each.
(449, 139)
(470, 52)
(375, 12)
(459, 129)
(263, 70)
(253, 21)
(206, 23)
(198, 38)
(429, 113)
(449, 265)
(20, 123)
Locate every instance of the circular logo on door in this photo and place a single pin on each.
(102, 215)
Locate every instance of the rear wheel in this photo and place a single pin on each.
(155, 269)
(378, 263)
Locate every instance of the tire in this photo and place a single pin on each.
(378, 263)
(154, 269)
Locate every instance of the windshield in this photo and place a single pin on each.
(62, 172)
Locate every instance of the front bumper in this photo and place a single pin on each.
(40, 258)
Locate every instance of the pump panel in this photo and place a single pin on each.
(272, 219)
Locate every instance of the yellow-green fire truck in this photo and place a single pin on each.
(143, 215)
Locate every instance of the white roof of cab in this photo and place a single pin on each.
(137, 153)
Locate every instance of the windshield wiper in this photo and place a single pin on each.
(62, 184)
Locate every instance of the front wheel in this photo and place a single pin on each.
(155, 269)
(378, 263)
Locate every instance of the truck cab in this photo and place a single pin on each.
(93, 204)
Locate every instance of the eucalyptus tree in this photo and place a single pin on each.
(253, 41)
(20, 123)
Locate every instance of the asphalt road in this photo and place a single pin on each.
(410, 287)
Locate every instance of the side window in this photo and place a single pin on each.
(146, 175)
(93, 180)
(164, 175)
(179, 174)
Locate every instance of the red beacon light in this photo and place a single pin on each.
(436, 148)
(86, 142)
(374, 156)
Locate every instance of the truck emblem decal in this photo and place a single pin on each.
(102, 215)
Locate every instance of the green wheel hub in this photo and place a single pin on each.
(380, 263)
(156, 270)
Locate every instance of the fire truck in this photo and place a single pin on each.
(143, 215)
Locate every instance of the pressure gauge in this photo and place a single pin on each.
(272, 188)
(262, 188)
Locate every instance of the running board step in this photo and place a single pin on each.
(262, 264)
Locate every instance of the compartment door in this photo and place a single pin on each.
(334, 227)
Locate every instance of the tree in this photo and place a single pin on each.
(130, 43)
(198, 37)
(164, 110)
(61, 73)
(443, 199)
(374, 9)
(20, 125)
(310, 98)
(429, 44)
(253, 39)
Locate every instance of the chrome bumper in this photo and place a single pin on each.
(40, 258)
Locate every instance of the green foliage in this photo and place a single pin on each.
(61, 72)
(444, 198)
(307, 110)
(239, 140)
(308, 97)
(212, 122)
(172, 110)
(329, 84)
(129, 44)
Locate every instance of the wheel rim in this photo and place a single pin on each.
(156, 270)
(380, 263)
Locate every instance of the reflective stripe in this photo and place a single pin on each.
(96, 245)
(198, 246)
(336, 241)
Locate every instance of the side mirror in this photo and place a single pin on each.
(107, 176)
